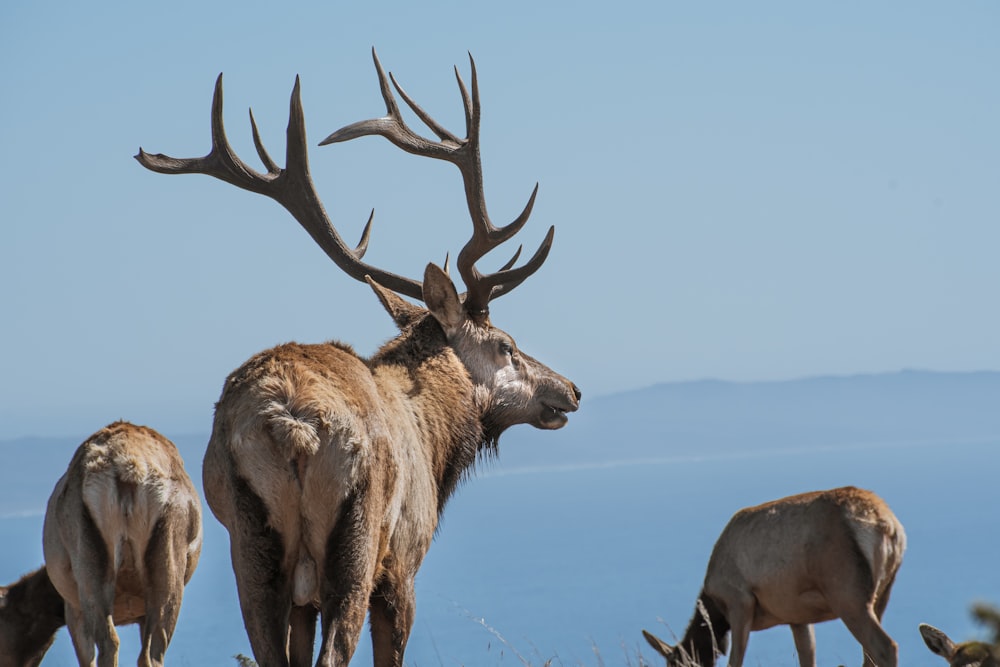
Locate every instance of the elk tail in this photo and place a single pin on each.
(293, 421)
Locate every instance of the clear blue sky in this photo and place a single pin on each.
(757, 191)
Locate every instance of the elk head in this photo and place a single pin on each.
(511, 387)
(966, 654)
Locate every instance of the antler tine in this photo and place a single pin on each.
(443, 134)
(272, 166)
(512, 260)
(483, 289)
(292, 187)
(393, 127)
(463, 153)
(471, 103)
(221, 162)
(507, 279)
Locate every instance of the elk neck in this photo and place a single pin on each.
(441, 394)
(704, 635)
(37, 612)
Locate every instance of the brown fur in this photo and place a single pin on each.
(330, 471)
(796, 561)
(966, 654)
(31, 611)
(122, 537)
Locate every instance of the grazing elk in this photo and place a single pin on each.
(122, 537)
(966, 654)
(796, 561)
(330, 470)
(31, 611)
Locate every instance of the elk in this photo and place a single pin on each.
(330, 470)
(122, 537)
(31, 611)
(966, 654)
(796, 561)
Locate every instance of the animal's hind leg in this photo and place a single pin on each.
(880, 650)
(346, 584)
(883, 599)
(164, 562)
(391, 611)
(263, 583)
(91, 623)
(301, 636)
(805, 644)
(852, 600)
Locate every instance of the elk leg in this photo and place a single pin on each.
(347, 579)
(164, 564)
(301, 636)
(739, 612)
(263, 585)
(880, 650)
(882, 600)
(94, 625)
(83, 641)
(852, 601)
(391, 612)
(805, 644)
(91, 623)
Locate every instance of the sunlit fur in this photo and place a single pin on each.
(796, 561)
(965, 654)
(122, 537)
(330, 471)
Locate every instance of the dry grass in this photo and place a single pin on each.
(985, 614)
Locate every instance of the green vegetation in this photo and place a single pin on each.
(989, 616)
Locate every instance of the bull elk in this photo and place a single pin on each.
(796, 561)
(121, 539)
(966, 654)
(31, 611)
(330, 470)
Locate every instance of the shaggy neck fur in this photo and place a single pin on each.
(33, 611)
(453, 424)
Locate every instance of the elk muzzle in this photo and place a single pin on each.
(556, 404)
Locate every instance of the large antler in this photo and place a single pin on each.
(292, 187)
(463, 153)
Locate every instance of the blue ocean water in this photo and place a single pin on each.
(571, 562)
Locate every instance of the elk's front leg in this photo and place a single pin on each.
(392, 607)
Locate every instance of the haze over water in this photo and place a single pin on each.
(547, 553)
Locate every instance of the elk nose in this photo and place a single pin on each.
(576, 391)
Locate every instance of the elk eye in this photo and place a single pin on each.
(506, 349)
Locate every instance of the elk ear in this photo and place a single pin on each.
(937, 641)
(403, 312)
(662, 647)
(442, 299)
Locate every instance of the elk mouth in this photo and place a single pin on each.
(553, 417)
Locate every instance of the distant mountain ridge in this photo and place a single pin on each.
(671, 419)
(713, 416)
